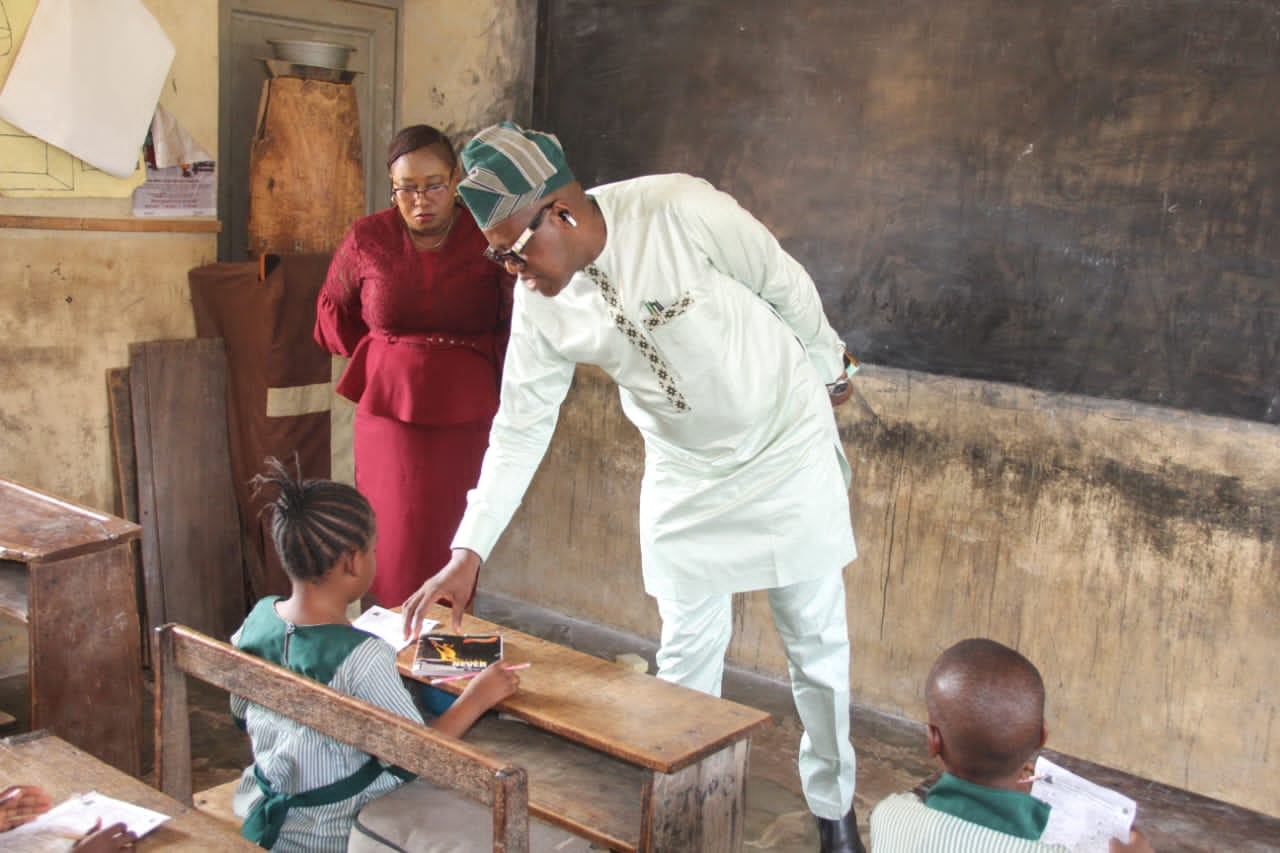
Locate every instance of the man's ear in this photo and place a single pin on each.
(1044, 734)
(934, 737)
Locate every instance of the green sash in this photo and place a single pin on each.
(263, 823)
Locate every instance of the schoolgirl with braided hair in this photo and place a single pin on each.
(304, 789)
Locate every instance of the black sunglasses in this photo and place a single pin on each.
(512, 257)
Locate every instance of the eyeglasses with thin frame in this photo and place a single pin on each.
(412, 193)
(512, 257)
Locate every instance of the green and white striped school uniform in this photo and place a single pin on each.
(960, 817)
(304, 789)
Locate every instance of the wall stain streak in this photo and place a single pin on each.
(1154, 497)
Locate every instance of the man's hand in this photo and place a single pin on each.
(453, 584)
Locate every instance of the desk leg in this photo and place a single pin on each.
(700, 807)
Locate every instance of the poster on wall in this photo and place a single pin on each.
(80, 82)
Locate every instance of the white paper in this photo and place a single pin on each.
(171, 145)
(388, 625)
(87, 78)
(1085, 816)
(178, 191)
(74, 817)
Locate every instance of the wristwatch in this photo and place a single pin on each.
(841, 385)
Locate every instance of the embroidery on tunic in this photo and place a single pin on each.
(656, 363)
(666, 315)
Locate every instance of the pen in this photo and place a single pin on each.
(460, 676)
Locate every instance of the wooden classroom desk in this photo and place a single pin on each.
(67, 571)
(624, 759)
(40, 758)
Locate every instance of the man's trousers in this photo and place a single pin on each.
(811, 619)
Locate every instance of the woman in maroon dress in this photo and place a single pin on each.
(424, 318)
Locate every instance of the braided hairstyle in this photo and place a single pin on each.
(314, 522)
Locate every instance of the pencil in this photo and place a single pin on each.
(460, 676)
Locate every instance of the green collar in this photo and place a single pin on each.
(315, 651)
(1011, 812)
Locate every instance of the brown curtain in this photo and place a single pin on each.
(277, 382)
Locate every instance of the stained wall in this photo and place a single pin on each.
(75, 299)
(1129, 550)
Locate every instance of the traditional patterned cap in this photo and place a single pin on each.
(509, 168)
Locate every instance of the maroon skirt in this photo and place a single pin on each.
(417, 478)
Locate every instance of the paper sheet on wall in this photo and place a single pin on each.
(80, 83)
(190, 190)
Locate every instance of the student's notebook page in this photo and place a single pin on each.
(388, 625)
(1085, 816)
(73, 817)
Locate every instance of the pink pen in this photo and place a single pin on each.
(460, 676)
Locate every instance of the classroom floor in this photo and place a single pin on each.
(891, 755)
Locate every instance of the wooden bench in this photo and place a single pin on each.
(438, 758)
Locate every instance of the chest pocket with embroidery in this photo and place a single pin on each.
(660, 314)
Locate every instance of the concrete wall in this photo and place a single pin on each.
(465, 66)
(74, 300)
(1130, 551)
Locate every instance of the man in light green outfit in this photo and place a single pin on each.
(727, 366)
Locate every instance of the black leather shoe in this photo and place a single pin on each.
(839, 836)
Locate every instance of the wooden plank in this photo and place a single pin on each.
(124, 460)
(597, 703)
(150, 224)
(85, 673)
(302, 123)
(172, 721)
(216, 803)
(700, 807)
(191, 556)
(15, 601)
(64, 771)
(38, 526)
(587, 792)
(123, 457)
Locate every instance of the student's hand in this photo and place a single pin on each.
(492, 685)
(1026, 778)
(452, 584)
(113, 838)
(1137, 843)
(21, 803)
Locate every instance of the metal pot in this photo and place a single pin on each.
(321, 54)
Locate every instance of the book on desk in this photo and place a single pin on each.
(451, 654)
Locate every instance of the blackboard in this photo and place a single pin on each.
(1073, 196)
